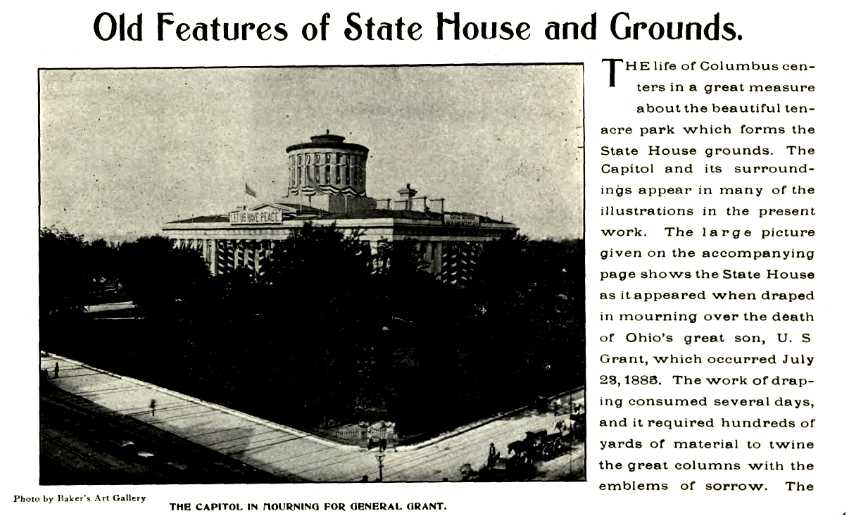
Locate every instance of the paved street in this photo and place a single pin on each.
(286, 451)
(84, 443)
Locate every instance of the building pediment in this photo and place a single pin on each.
(264, 213)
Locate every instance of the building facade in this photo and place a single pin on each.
(327, 186)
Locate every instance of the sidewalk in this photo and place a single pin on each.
(279, 449)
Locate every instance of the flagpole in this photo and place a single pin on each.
(244, 191)
(249, 192)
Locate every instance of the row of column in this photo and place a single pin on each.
(222, 255)
(338, 175)
(458, 262)
(452, 261)
(432, 253)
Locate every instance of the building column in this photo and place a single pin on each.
(213, 256)
(428, 255)
(220, 257)
(259, 254)
(247, 246)
(226, 254)
(437, 257)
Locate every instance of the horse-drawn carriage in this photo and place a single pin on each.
(523, 455)
(539, 446)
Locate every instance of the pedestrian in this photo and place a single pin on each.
(560, 426)
(56, 370)
(153, 407)
(492, 455)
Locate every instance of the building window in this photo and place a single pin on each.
(338, 174)
(299, 175)
(347, 176)
(326, 173)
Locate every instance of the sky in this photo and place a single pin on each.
(124, 151)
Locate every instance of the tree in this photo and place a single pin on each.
(331, 331)
(316, 316)
(161, 278)
(65, 275)
(529, 296)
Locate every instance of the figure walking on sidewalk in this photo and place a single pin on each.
(153, 407)
(493, 455)
(56, 370)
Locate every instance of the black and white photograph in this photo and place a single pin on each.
(311, 274)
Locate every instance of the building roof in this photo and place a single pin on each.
(202, 219)
(314, 213)
(327, 141)
(405, 214)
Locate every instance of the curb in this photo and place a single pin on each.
(217, 407)
(480, 423)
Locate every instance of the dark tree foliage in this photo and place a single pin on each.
(159, 277)
(531, 298)
(66, 276)
(412, 361)
(331, 331)
(74, 273)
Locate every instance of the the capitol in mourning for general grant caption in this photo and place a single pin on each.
(312, 274)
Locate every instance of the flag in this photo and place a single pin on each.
(249, 191)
